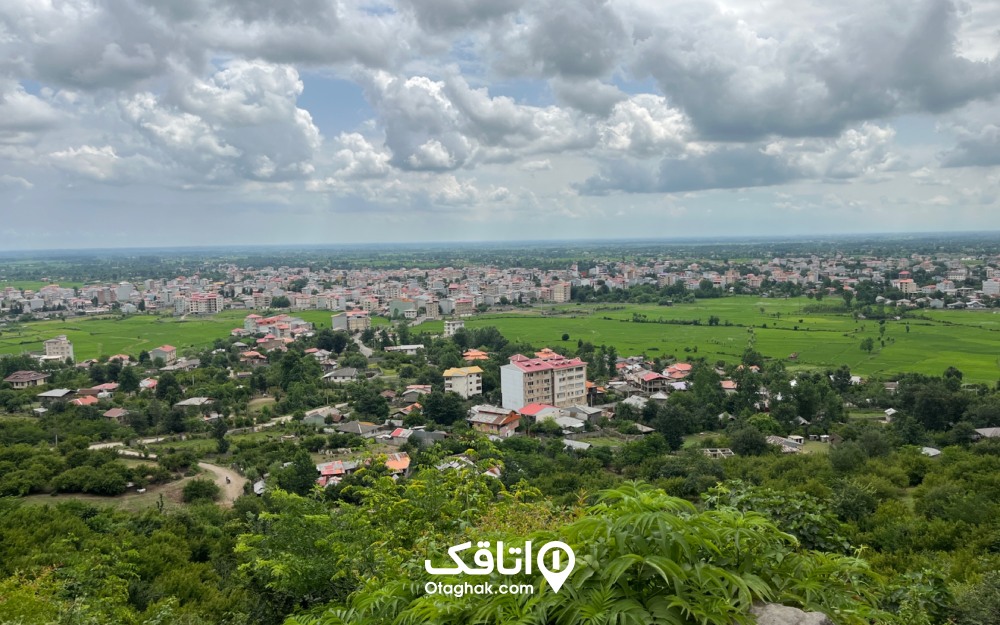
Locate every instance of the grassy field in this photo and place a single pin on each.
(94, 337)
(34, 285)
(968, 340)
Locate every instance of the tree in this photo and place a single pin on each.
(368, 402)
(299, 476)
(280, 301)
(867, 344)
(443, 408)
(128, 380)
(201, 489)
(749, 441)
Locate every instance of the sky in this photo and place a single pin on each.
(132, 123)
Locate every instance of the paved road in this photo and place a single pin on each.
(230, 491)
(365, 351)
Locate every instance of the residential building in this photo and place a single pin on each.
(494, 420)
(991, 288)
(26, 379)
(464, 306)
(59, 348)
(341, 376)
(465, 381)
(555, 380)
(167, 352)
(453, 326)
(561, 292)
(351, 321)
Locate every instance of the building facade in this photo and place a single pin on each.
(59, 348)
(558, 381)
(464, 381)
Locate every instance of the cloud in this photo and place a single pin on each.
(241, 123)
(440, 16)
(859, 152)
(742, 80)
(22, 115)
(99, 163)
(14, 182)
(588, 95)
(583, 39)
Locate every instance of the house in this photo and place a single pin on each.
(398, 463)
(988, 432)
(56, 394)
(361, 428)
(414, 392)
(540, 412)
(399, 436)
(472, 355)
(424, 437)
(168, 353)
(409, 350)
(787, 446)
(728, 386)
(405, 411)
(340, 376)
(575, 445)
(494, 420)
(116, 414)
(193, 402)
(930, 452)
(586, 413)
(318, 416)
(636, 402)
(253, 358)
(26, 379)
(86, 400)
(652, 382)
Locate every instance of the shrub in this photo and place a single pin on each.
(201, 490)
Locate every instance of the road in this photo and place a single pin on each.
(230, 491)
(365, 351)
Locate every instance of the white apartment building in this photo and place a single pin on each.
(59, 348)
(465, 381)
(556, 381)
(561, 292)
(991, 288)
(351, 321)
(451, 327)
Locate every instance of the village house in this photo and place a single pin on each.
(494, 420)
(26, 379)
(167, 353)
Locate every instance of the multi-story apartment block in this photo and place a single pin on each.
(465, 381)
(351, 321)
(561, 292)
(557, 381)
(453, 326)
(59, 348)
(991, 288)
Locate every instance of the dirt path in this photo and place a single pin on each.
(230, 491)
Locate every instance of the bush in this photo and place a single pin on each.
(201, 490)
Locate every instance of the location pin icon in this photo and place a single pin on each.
(559, 565)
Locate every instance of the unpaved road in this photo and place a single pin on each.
(229, 491)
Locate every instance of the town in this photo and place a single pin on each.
(237, 387)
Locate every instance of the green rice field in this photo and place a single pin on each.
(968, 340)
